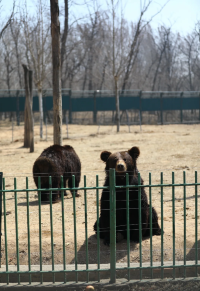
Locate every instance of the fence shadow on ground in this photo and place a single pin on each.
(104, 254)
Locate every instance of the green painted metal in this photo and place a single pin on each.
(184, 223)
(28, 229)
(40, 228)
(5, 232)
(16, 229)
(112, 226)
(196, 225)
(151, 244)
(162, 226)
(140, 223)
(86, 227)
(173, 223)
(51, 224)
(75, 233)
(128, 226)
(98, 236)
(63, 226)
(78, 101)
(112, 189)
(1, 182)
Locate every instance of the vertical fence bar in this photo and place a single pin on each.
(1, 178)
(70, 106)
(151, 245)
(75, 234)
(196, 226)
(140, 223)
(98, 236)
(181, 106)
(184, 214)
(86, 229)
(28, 230)
(161, 192)
(95, 108)
(173, 223)
(40, 228)
(63, 226)
(128, 225)
(16, 229)
(112, 226)
(51, 225)
(5, 231)
(161, 108)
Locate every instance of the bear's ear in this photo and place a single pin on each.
(105, 155)
(134, 152)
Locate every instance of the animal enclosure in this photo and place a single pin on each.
(164, 149)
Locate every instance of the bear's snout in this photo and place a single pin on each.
(120, 166)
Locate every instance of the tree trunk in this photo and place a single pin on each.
(41, 111)
(57, 98)
(29, 123)
(117, 103)
(64, 37)
(26, 126)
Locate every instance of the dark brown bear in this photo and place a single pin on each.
(125, 162)
(56, 161)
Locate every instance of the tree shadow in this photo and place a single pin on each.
(192, 253)
(121, 251)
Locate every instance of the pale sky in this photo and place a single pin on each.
(180, 14)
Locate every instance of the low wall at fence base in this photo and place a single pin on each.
(188, 284)
(93, 275)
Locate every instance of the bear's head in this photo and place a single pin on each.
(122, 162)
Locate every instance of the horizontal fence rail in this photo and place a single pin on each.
(43, 221)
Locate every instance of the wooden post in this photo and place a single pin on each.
(56, 62)
(28, 121)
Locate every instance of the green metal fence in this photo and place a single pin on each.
(113, 269)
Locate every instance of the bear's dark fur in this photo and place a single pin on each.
(125, 162)
(55, 161)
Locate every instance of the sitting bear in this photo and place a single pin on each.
(56, 161)
(125, 162)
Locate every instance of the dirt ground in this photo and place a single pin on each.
(167, 149)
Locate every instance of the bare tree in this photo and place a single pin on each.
(123, 59)
(57, 98)
(37, 51)
(64, 34)
(8, 21)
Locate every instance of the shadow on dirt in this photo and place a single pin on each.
(104, 254)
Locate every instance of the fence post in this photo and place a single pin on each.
(181, 99)
(95, 109)
(17, 112)
(1, 179)
(70, 106)
(140, 110)
(161, 108)
(199, 105)
(112, 226)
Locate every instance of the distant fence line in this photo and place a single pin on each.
(94, 101)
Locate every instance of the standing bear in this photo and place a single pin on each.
(125, 162)
(55, 161)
